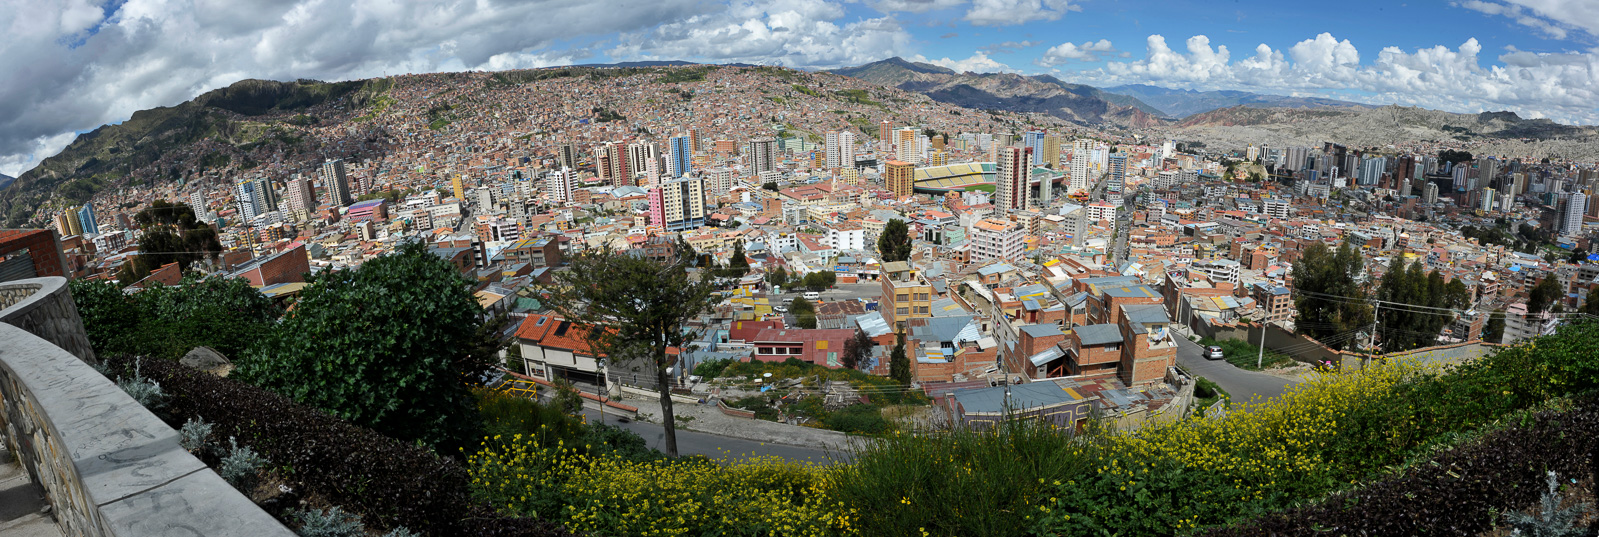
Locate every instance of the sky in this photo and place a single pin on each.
(73, 65)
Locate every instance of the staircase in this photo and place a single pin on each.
(22, 503)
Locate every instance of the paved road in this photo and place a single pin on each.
(710, 445)
(1240, 383)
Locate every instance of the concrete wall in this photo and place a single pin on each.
(108, 466)
(43, 307)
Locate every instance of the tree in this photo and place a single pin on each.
(171, 234)
(770, 185)
(1420, 316)
(1331, 304)
(1578, 255)
(778, 278)
(645, 307)
(1544, 294)
(894, 244)
(1591, 306)
(1495, 329)
(804, 312)
(737, 264)
(899, 367)
(820, 279)
(163, 321)
(391, 346)
(857, 350)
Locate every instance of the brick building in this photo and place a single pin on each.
(30, 253)
(288, 266)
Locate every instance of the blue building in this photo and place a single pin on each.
(1035, 140)
(679, 156)
(87, 220)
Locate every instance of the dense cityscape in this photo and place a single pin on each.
(910, 297)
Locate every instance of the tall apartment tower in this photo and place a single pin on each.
(1082, 166)
(885, 137)
(560, 185)
(197, 204)
(300, 199)
(1034, 140)
(336, 183)
(1051, 154)
(90, 224)
(681, 204)
(1487, 169)
(639, 155)
(1575, 207)
(248, 195)
(566, 156)
(456, 186)
(762, 156)
(907, 145)
(840, 149)
(719, 181)
(1011, 174)
(900, 177)
(680, 155)
(1118, 172)
(612, 163)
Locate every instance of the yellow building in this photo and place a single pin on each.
(901, 177)
(906, 295)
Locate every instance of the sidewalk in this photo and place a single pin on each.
(21, 503)
(707, 419)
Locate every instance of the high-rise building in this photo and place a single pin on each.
(336, 183)
(906, 145)
(458, 188)
(1118, 172)
(678, 204)
(885, 139)
(1371, 170)
(680, 154)
(1034, 140)
(1011, 174)
(560, 184)
(639, 155)
(1430, 194)
(1488, 198)
(762, 156)
(1575, 206)
(695, 144)
(1251, 153)
(611, 160)
(719, 181)
(301, 200)
(248, 197)
(1082, 166)
(900, 177)
(1051, 154)
(67, 223)
(1462, 178)
(1487, 170)
(87, 222)
(566, 156)
(197, 204)
(840, 149)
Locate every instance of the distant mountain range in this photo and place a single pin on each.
(5, 181)
(1076, 102)
(1008, 91)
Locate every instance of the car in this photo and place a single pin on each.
(780, 309)
(1213, 352)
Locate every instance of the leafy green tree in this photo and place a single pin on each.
(1544, 294)
(737, 264)
(1591, 306)
(1577, 256)
(820, 279)
(770, 185)
(1420, 316)
(894, 244)
(1330, 302)
(645, 306)
(778, 278)
(899, 366)
(800, 305)
(393, 346)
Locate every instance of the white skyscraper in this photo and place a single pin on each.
(762, 156)
(906, 144)
(840, 149)
(559, 184)
(1011, 174)
(1575, 207)
(1082, 166)
(336, 183)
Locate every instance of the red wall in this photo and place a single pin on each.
(42, 247)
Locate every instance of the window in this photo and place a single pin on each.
(765, 350)
(902, 311)
(901, 297)
(832, 359)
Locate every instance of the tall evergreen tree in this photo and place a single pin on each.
(857, 350)
(1331, 303)
(894, 244)
(899, 366)
(1544, 294)
(738, 265)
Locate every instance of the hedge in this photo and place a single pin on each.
(390, 483)
(1457, 492)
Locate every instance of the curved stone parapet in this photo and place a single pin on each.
(44, 307)
(109, 466)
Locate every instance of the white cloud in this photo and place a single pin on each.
(1583, 14)
(1008, 47)
(797, 33)
(1564, 86)
(1007, 12)
(73, 65)
(978, 63)
(1522, 17)
(1089, 51)
(913, 6)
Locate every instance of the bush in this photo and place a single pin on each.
(389, 482)
(168, 321)
(392, 345)
(241, 466)
(1552, 520)
(195, 436)
(144, 391)
(862, 419)
(608, 495)
(330, 523)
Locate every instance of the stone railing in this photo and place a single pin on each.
(108, 466)
(43, 307)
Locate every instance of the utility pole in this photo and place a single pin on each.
(1376, 309)
(1262, 357)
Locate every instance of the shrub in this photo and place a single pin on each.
(608, 495)
(144, 391)
(389, 482)
(1551, 520)
(240, 468)
(384, 346)
(168, 321)
(330, 523)
(195, 435)
(863, 419)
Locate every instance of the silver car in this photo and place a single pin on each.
(1213, 352)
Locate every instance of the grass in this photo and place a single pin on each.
(1242, 354)
(1206, 393)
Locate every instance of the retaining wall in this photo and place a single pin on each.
(107, 465)
(43, 307)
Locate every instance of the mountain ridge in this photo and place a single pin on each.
(1012, 92)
